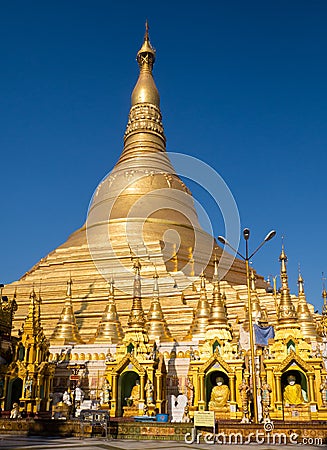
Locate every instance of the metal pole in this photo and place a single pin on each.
(254, 377)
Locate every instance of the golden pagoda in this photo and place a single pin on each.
(170, 325)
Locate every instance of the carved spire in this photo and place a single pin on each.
(323, 323)
(66, 331)
(303, 313)
(144, 126)
(7, 310)
(32, 324)
(324, 296)
(156, 324)
(109, 329)
(32, 338)
(201, 314)
(218, 324)
(286, 309)
(136, 317)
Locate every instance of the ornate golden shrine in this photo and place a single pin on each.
(28, 378)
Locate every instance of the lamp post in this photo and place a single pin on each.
(246, 258)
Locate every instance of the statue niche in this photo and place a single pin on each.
(294, 392)
(295, 398)
(219, 394)
(130, 392)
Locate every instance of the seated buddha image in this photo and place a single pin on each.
(219, 395)
(293, 392)
(133, 399)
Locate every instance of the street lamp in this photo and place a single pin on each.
(246, 258)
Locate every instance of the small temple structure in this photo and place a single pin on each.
(139, 324)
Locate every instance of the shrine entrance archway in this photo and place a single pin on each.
(125, 385)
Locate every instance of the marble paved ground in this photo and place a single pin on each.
(40, 443)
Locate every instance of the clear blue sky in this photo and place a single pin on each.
(243, 87)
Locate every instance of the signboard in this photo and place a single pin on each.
(74, 377)
(204, 418)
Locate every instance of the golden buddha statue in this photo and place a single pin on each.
(135, 395)
(293, 392)
(219, 395)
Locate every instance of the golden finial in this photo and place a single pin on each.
(111, 287)
(324, 292)
(215, 277)
(324, 295)
(147, 54)
(145, 90)
(155, 283)
(146, 36)
(203, 281)
(283, 259)
(300, 282)
(69, 286)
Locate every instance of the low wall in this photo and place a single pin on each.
(229, 432)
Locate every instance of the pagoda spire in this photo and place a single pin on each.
(201, 313)
(32, 324)
(323, 323)
(303, 313)
(109, 329)
(136, 333)
(218, 324)
(156, 324)
(66, 331)
(144, 133)
(286, 309)
(136, 317)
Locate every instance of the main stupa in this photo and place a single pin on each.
(141, 209)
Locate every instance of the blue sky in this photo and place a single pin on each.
(243, 87)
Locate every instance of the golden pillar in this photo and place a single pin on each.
(232, 388)
(279, 402)
(142, 385)
(278, 388)
(201, 402)
(114, 400)
(311, 396)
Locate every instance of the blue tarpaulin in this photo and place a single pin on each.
(262, 334)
